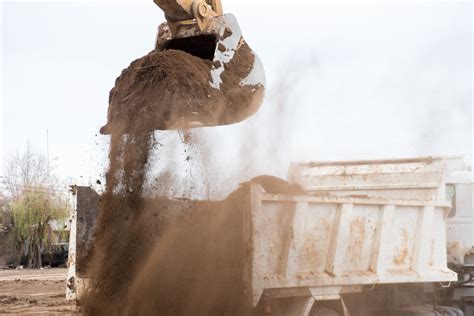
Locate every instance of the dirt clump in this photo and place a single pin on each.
(172, 89)
(275, 185)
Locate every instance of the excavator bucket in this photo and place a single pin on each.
(198, 75)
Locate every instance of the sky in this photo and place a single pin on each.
(345, 81)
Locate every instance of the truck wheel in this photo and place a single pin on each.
(323, 311)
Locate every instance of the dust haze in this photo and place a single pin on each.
(411, 96)
(391, 80)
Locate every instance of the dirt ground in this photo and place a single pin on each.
(34, 292)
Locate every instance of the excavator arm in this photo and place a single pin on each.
(180, 10)
(237, 77)
(187, 13)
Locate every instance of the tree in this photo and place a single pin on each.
(5, 220)
(25, 171)
(32, 214)
(35, 203)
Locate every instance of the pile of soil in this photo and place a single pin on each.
(275, 185)
(171, 89)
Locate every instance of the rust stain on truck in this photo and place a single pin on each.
(402, 253)
(357, 237)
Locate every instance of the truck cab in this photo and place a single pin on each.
(460, 232)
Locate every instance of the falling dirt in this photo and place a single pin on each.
(173, 257)
(168, 257)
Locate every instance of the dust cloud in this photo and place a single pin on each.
(188, 253)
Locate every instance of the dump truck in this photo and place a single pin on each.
(368, 237)
(446, 179)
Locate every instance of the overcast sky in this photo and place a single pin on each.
(366, 81)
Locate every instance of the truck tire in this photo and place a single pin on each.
(323, 311)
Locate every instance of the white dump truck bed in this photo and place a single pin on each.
(354, 224)
(330, 245)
